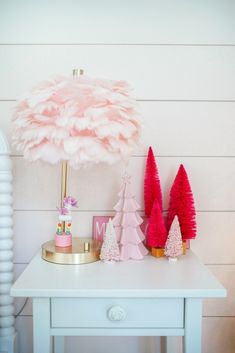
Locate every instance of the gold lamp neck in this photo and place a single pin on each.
(64, 180)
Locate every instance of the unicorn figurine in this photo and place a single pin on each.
(63, 236)
(65, 214)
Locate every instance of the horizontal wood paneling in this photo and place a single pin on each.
(117, 22)
(186, 128)
(124, 344)
(24, 327)
(166, 72)
(215, 241)
(21, 307)
(211, 183)
(34, 228)
(174, 128)
(225, 306)
(218, 335)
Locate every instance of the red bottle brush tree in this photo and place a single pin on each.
(182, 205)
(152, 187)
(157, 233)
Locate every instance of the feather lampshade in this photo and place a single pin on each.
(77, 121)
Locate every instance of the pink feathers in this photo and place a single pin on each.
(78, 119)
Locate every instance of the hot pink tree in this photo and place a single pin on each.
(127, 224)
(182, 205)
(152, 187)
(156, 234)
(174, 247)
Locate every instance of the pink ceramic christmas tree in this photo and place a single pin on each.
(174, 246)
(127, 224)
(110, 249)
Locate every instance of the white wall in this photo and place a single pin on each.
(179, 57)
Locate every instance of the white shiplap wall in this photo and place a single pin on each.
(179, 57)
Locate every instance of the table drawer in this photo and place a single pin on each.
(117, 312)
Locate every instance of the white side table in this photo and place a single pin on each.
(136, 298)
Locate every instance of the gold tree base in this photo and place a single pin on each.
(159, 252)
(82, 251)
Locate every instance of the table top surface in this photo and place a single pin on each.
(151, 277)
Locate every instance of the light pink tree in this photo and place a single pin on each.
(174, 246)
(127, 224)
(110, 249)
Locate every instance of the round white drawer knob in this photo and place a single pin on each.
(116, 313)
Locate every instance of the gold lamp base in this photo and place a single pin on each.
(82, 251)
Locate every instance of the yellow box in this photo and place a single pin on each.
(159, 252)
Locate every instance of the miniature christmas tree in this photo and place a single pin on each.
(127, 224)
(156, 234)
(174, 246)
(182, 204)
(152, 187)
(110, 249)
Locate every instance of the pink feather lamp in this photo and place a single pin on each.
(77, 121)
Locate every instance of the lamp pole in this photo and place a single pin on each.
(64, 168)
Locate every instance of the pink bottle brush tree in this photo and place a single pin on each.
(127, 224)
(152, 186)
(157, 233)
(182, 204)
(174, 246)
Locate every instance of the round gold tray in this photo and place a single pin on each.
(74, 254)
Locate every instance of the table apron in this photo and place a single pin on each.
(116, 332)
(117, 313)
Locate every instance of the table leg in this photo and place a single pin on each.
(193, 323)
(41, 325)
(58, 344)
